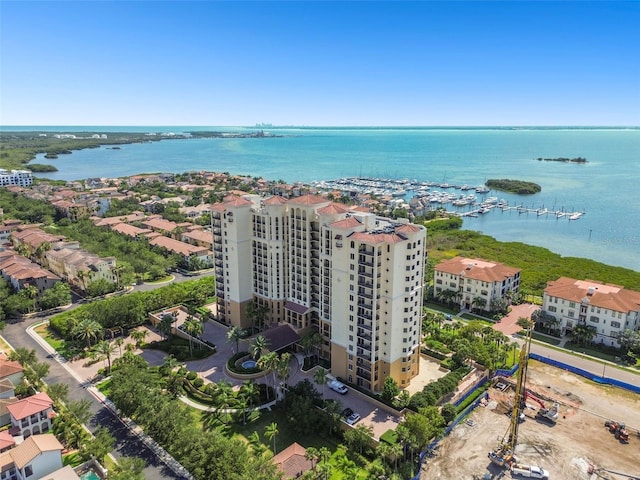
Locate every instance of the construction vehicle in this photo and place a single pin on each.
(618, 429)
(529, 472)
(503, 454)
(547, 414)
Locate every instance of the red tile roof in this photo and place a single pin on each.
(30, 406)
(9, 367)
(350, 222)
(332, 209)
(477, 269)
(291, 461)
(375, 238)
(308, 200)
(612, 297)
(235, 201)
(275, 200)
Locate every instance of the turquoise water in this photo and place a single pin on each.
(605, 188)
(90, 475)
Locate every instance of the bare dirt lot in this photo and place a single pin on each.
(567, 450)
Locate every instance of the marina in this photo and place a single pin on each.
(419, 197)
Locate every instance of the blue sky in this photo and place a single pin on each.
(319, 63)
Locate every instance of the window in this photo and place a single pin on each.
(28, 471)
(594, 319)
(615, 324)
(571, 313)
(552, 308)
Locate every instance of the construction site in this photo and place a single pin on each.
(544, 423)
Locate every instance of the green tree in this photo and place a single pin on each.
(258, 347)
(320, 376)
(390, 389)
(271, 431)
(99, 446)
(58, 392)
(80, 410)
(88, 330)
(448, 412)
(128, 468)
(104, 349)
(234, 335)
(358, 438)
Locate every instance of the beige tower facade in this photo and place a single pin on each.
(355, 277)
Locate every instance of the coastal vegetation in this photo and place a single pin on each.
(41, 167)
(17, 149)
(513, 186)
(539, 265)
(563, 159)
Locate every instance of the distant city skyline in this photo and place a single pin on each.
(320, 63)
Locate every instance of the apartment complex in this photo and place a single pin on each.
(475, 283)
(355, 277)
(20, 178)
(609, 309)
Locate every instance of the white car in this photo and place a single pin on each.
(353, 418)
(337, 386)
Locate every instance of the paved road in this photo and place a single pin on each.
(127, 444)
(603, 369)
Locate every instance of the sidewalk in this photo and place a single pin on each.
(167, 459)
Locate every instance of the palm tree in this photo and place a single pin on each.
(283, 367)
(139, 336)
(166, 325)
(193, 328)
(119, 341)
(514, 346)
(87, 330)
(258, 447)
(271, 431)
(582, 334)
(170, 362)
(235, 334)
(320, 377)
(525, 323)
(250, 390)
(105, 349)
(258, 347)
(311, 454)
(82, 276)
(269, 362)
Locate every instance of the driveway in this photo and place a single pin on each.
(508, 324)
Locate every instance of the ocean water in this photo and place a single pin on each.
(606, 188)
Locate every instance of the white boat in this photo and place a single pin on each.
(482, 189)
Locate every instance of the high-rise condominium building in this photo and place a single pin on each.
(355, 277)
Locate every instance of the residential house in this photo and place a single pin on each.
(7, 228)
(21, 272)
(31, 415)
(80, 268)
(202, 238)
(608, 309)
(183, 249)
(476, 283)
(11, 370)
(35, 458)
(292, 462)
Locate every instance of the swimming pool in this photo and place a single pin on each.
(90, 475)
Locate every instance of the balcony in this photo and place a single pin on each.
(363, 374)
(363, 293)
(365, 273)
(363, 304)
(363, 334)
(365, 325)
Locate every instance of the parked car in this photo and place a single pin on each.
(346, 412)
(353, 418)
(337, 386)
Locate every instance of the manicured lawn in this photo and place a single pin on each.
(594, 352)
(105, 387)
(286, 436)
(546, 339)
(4, 346)
(434, 307)
(475, 318)
(58, 344)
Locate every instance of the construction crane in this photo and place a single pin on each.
(503, 454)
